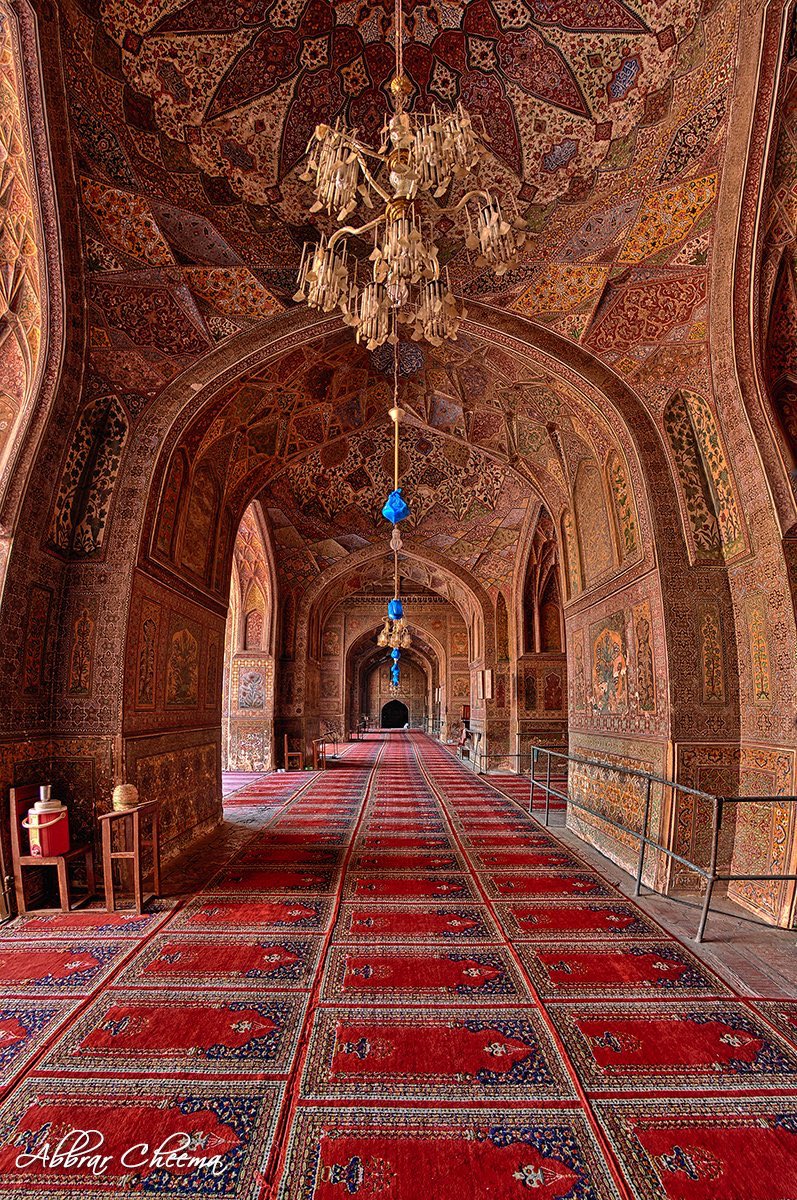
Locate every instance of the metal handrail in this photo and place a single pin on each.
(710, 873)
(483, 757)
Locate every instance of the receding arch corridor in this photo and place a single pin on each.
(395, 984)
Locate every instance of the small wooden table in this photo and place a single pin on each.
(319, 754)
(23, 798)
(135, 844)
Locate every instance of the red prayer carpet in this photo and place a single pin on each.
(401, 987)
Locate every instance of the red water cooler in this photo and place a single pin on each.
(47, 824)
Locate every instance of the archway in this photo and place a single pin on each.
(152, 408)
(539, 648)
(229, 436)
(247, 742)
(395, 715)
(415, 689)
(424, 671)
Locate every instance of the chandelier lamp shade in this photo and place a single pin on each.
(396, 508)
(422, 158)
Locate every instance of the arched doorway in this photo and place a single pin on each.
(395, 715)
(247, 742)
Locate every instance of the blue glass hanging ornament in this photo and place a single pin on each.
(395, 674)
(395, 610)
(395, 655)
(396, 509)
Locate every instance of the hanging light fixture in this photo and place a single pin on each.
(420, 156)
(395, 634)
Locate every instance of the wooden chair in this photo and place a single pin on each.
(290, 756)
(134, 845)
(23, 798)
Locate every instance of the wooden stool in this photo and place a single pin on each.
(290, 756)
(23, 798)
(131, 835)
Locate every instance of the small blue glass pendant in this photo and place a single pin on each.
(395, 654)
(395, 610)
(395, 509)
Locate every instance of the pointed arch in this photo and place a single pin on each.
(592, 519)
(781, 350)
(197, 540)
(623, 509)
(714, 522)
(171, 505)
(88, 477)
(254, 621)
(501, 628)
(572, 554)
(551, 639)
(31, 283)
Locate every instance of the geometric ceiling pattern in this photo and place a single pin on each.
(464, 505)
(606, 120)
(607, 125)
(485, 433)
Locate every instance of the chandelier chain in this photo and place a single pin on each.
(398, 38)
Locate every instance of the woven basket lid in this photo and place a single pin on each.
(125, 795)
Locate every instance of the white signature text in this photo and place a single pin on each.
(82, 1150)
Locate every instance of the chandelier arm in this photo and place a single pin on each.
(348, 139)
(380, 191)
(455, 208)
(354, 231)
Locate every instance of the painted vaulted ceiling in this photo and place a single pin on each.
(607, 124)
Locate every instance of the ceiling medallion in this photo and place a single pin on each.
(410, 359)
(421, 155)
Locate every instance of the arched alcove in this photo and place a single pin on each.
(249, 665)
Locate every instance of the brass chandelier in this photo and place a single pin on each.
(420, 157)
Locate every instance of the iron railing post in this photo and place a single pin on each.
(547, 785)
(643, 843)
(534, 756)
(712, 868)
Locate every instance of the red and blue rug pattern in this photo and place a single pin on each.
(399, 986)
(56, 1132)
(389, 1053)
(25, 1025)
(223, 1032)
(445, 1154)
